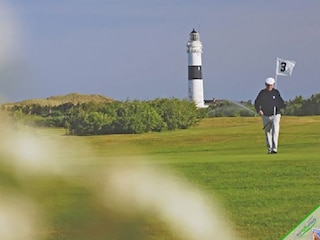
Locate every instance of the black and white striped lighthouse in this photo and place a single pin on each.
(195, 81)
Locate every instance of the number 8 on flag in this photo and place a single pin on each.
(284, 67)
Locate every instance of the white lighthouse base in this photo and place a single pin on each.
(195, 90)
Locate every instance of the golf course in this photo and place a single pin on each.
(87, 187)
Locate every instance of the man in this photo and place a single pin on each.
(268, 104)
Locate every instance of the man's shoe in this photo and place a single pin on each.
(272, 152)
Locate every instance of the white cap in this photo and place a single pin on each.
(270, 81)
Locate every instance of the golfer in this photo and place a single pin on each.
(268, 104)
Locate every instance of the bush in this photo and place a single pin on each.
(137, 117)
(131, 117)
(175, 113)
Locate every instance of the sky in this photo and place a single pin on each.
(126, 49)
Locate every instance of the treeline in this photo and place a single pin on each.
(113, 117)
(296, 107)
(303, 107)
(94, 118)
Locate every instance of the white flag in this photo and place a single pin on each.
(284, 67)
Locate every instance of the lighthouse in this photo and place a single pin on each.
(195, 81)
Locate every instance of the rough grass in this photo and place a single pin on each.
(263, 195)
(74, 98)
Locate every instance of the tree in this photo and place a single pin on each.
(294, 107)
(311, 106)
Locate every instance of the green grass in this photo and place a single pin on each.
(263, 195)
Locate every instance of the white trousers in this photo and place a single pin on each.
(272, 128)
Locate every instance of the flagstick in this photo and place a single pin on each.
(274, 107)
(276, 75)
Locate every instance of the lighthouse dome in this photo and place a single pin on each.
(194, 36)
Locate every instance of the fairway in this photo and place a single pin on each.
(262, 196)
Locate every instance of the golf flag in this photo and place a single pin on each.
(307, 229)
(284, 67)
